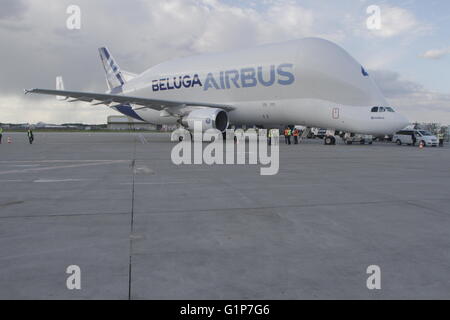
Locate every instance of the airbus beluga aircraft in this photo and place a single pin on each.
(310, 82)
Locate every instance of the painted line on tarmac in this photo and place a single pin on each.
(30, 170)
(46, 180)
(60, 180)
(151, 183)
(56, 161)
(24, 165)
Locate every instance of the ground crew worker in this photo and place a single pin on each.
(1, 134)
(269, 136)
(441, 139)
(287, 135)
(30, 136)
(296, 133)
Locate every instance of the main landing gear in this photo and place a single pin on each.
(329, 140)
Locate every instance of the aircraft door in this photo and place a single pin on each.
(335, 113)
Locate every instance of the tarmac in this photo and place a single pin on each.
(140, 227)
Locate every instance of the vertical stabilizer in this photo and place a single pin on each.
(114, 77)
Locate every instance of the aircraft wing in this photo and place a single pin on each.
(108, 99)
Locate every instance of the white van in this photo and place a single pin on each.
(421, 136)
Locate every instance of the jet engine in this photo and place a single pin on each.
(210, 118)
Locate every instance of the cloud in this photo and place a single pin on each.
(139, 36)
(435, 54)
(393, 86)
(412, 99)
(12, 9)
(28, 109)
(396, 21)
(40, 47)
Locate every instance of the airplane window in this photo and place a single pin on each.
(390, 109)
(382, 109)
(375, 109)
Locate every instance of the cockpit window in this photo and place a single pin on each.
(382, 109)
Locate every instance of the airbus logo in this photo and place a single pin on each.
(235, 78)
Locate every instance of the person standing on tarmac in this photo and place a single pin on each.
(296, 134)
(1, 134)
(30, 136)
(269, 136)
(441, 139)
(287, 135)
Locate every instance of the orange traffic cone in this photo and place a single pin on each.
(9, 140)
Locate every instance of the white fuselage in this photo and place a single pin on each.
(310, 82)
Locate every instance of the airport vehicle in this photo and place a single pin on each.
(318, 133)
(422, 136)
(358, 138)
(311, 82)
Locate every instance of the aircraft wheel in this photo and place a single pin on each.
(329, 141)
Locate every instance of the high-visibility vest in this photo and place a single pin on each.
(440, 136)
(295, 133)
(287, 132)
(1, 130)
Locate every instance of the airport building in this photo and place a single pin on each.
(117, 122)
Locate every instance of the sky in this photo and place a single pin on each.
(408, 56)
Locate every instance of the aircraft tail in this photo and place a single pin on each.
(114, 77)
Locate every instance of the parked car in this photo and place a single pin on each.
(421, 136)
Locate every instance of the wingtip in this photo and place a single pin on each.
(27, 91)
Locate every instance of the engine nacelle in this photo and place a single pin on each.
(211, 118)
